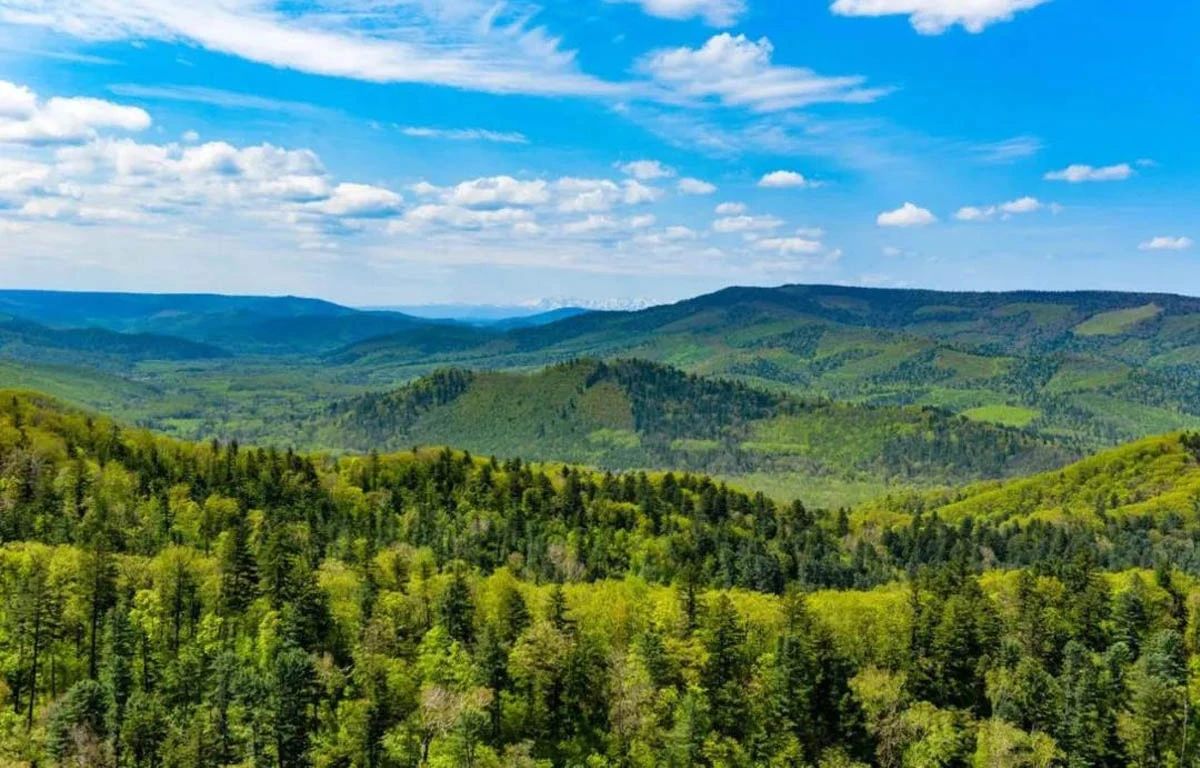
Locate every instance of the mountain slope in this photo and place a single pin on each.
(633, 414)
(1103, 366)
(25, 340)
(1151, 478)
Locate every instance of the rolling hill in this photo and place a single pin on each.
(632, 414)
(26, 340)
(1102, 366)
(1082, 370)
(1153, 478)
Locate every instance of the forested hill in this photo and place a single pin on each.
(212, 605)
(1104, 366)
(1155, 479)
(632, 414)
(26, 340)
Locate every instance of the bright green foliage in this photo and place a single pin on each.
(174, 604)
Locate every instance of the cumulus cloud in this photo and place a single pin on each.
(1079, 173)
(738, 72)
(26, 119)
(360, 201)
(690, 186)
(646, 170)
(456, 217)
(932, 17)
(492, 191)
(20, 176)
(464, 134)
(1167, 244)
(730, 209)
(1004, 210)
(782, 180)
(716, 13)
(580, 195)
(907, 215)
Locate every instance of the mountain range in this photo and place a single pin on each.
(1033, 378)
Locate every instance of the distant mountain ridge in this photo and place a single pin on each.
(242, 324)
(1063, 363)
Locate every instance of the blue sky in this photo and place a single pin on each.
(415, 152)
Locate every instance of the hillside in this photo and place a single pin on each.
(1102, 366)
(29, 341)
(633, 414)
(1151, 478)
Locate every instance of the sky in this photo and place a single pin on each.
(597, 152)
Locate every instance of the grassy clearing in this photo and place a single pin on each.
(1004, 415)
(1117, 321)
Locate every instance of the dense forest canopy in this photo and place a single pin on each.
(198, 604)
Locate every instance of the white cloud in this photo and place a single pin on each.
(477, 45)
(679, 233)
(716, 13)
(1005, 210)
(464, 134)
(730, 209)
(1021, 205)
(932, 17)
(361, 201)
(744, 223)
(602, 194)
(782, 180)
(690, 186)
(789, 245)
(455, 217)
(737, 71)
(24, 119)
(907, 215)
(1167, 244)
(593, 223)
(601, 223)
(1078, 173)
(646, 170)
(19, 176)
(16, 101)
(215, 97)
(566, 195)
(496, 191)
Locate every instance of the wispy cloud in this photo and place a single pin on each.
(1008, 150)
(475, 45)
(214, 97)
(464, 134)
(716, 13)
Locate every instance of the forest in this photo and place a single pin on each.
(167, 603)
